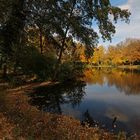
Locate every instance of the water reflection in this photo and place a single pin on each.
(103, 101)
(51, 98)
(88, 119)
(125, 80)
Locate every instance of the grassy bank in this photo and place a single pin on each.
(21, 121)
(119, 66)
(130, 67)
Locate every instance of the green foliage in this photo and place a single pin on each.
(60, 22)
(70, 71)
(66, 71)
(32, 62)
(73, 19)
(5, 9)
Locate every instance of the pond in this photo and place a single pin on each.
(108, 98)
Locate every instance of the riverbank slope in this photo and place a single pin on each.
(19, 120)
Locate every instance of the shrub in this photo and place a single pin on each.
(70, 71)
(32, 62)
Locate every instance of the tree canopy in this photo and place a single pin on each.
(67, 18)
(60, 23)
(124, 53)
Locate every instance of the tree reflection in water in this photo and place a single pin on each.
(88, 119)
(125, 80)
(112, 110)
(50, 98)
(112, 125)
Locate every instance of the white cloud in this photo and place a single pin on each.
(125, 6)
(131, 30)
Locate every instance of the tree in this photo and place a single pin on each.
(126, 52)
(5, 10)
(115, 55)
(59, 20)
(132, 50)
(98, 56)
(74, 18)
(11, 32)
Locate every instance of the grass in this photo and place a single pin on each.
(119, 66)
(130, 66)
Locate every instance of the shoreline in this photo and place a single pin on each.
(25, 121)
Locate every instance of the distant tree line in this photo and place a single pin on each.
(124, 53)
(126, 80)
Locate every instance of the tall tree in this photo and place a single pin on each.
(11, 31)
(74, 17)
(63, 19)
(98, 56)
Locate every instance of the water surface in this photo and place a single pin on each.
(109, 98)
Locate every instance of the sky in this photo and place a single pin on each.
(123, 30)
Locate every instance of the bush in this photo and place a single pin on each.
(70, 71)
(32, 62)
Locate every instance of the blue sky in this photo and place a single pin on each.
(118, 2)
(123, 30)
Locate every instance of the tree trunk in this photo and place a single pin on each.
(41, 40)
(57, 66)
(13, 35)
(5, 68)
(17, 18)
(4, 71)
(60, 55)
(62, 48)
